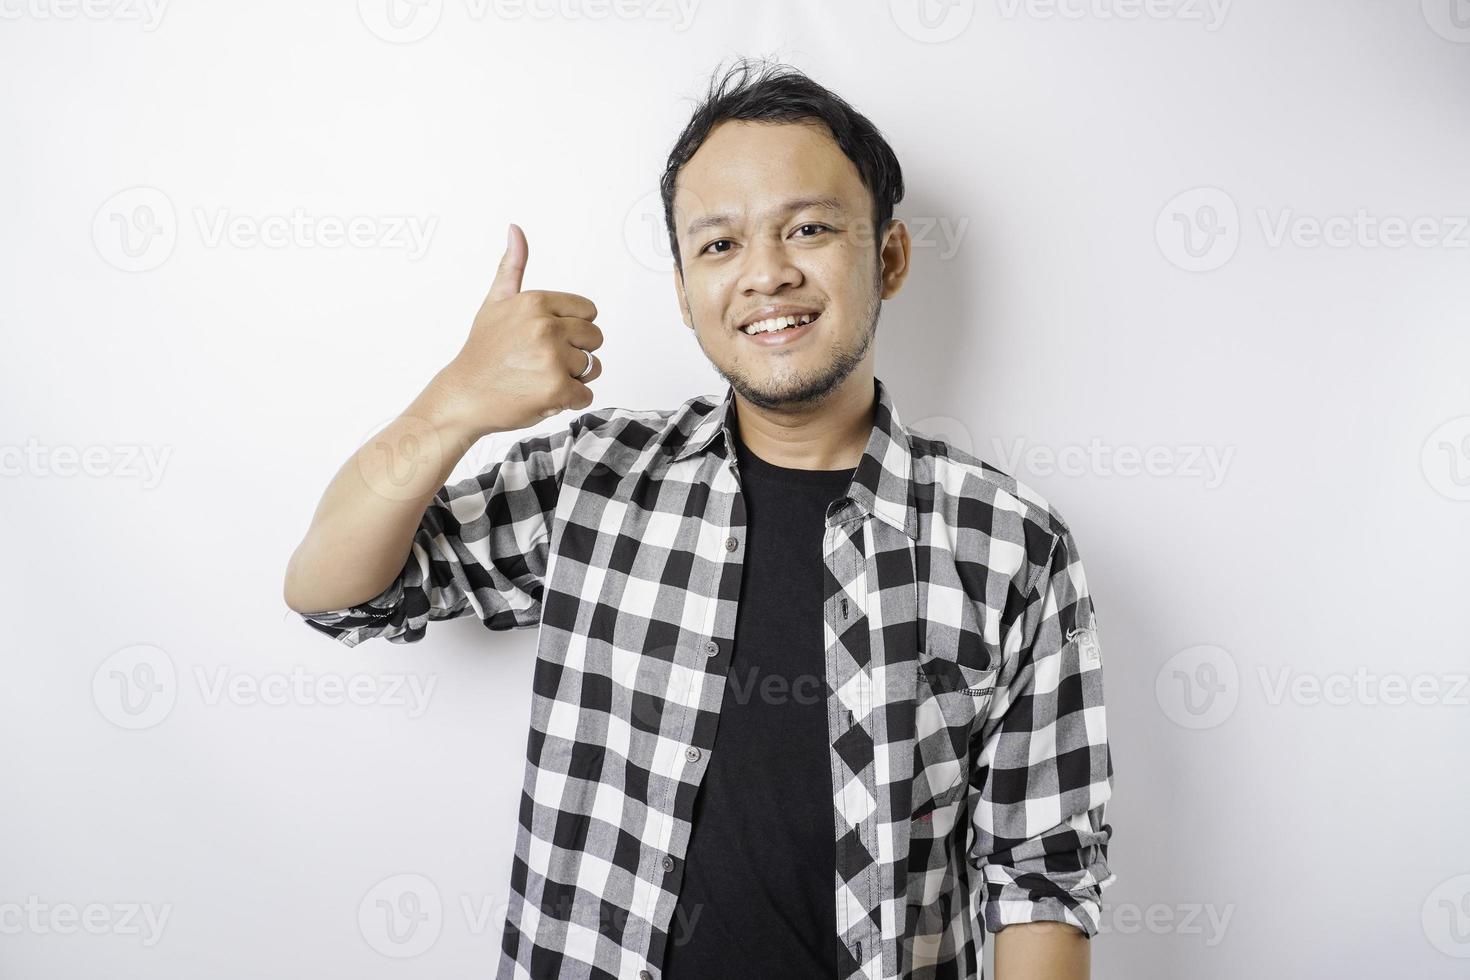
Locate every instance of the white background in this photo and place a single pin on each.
(1113, 204)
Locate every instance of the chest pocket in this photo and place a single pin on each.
(952, 693)
(952, 697)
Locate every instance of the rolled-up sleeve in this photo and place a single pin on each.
(1044, 769)
(482, 545)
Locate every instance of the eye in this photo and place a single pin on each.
(714, 243)
(811, 225)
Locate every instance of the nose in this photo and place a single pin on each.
(768, 267)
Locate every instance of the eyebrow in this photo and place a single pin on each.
(799, 204)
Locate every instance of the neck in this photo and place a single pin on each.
(830, 436)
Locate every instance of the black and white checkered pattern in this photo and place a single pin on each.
(969, 752)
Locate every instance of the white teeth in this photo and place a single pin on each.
(778, 323)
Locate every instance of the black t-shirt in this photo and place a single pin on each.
(757, 899)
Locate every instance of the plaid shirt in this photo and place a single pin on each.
(968, 743)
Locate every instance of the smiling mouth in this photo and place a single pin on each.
(778, 324)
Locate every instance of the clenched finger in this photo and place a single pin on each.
(581, 333)
(564, 304)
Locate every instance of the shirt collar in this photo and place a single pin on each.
(882, 483)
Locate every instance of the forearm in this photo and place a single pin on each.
(1042, 951)
(363, 527)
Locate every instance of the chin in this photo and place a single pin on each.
(787, 394)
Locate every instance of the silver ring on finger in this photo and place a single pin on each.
(588, 369)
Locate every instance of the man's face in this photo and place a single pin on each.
(773, 218)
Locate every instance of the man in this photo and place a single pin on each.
(814, 695)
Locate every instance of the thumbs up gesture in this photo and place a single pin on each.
(525, 352)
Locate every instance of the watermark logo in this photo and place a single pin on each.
(1198, 687)
(390, 462)
(136, 687)
(1445, 459)
(932, 21)
(1199, 229)
(400, 21)
(1450, 19)
(774, 688)
(401, 916)
(645, 234)
(135, 230)
(404, 915)
(947, 429)
(1446, 917)
(653, 682)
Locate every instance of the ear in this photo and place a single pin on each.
(895, 257)
(683, 299)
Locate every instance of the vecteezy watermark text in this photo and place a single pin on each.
(137, 687)
(1207, 464)
(408, 233)
(1200, 687)
(122, 460)
(1210, 13)
(137, 229)
(1363, 686)
(38, 918)
(1188, 919)
(407, 21)
(1200, 230)
(403, 915)
(147, 13)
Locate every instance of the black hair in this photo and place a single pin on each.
(777, 93)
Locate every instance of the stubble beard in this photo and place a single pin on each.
(809, 390)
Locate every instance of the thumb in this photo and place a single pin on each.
(512, 265)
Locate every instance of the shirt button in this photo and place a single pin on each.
(692, 754)
(668, 863)
(644, 975)
(731, 544)
(711, 648)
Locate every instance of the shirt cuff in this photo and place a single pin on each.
(1013, 895)
(350, 625)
